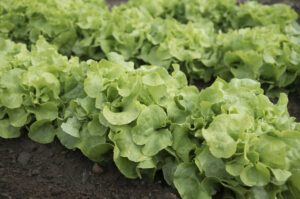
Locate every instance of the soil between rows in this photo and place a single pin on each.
(30, 170)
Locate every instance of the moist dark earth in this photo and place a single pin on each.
(29, 170)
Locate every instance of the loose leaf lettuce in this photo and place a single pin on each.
(228, 139)
(191, 33)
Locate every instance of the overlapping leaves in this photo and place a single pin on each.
(263, 53)
(69, 25)
(192, 33)
(228, 137)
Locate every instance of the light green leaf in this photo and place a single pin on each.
(46, 111)
(127, 148)
(95, 128)
(71, 127)
(257, 175)
(281, 176)
(92, 84)
(149, 130)
(126, 116)
(12, 95)
(42, 131)
(17, 117)
(67, 140)
(155, 77)
(207, 163)
(182, 144)
(126, 167)
(93, 147)
(236, 166)
(219, 138)
(169, 169)
(272, 151)
(7, 131)
(119, 59)
(187, 182)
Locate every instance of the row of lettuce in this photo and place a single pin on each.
(227, 139)
(206, 38)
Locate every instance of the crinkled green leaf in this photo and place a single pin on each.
(182, 144)
(127, 115)
(169, 169)
(42, 131)
(236, 166)
(281, 176)
(93, 146)
(220, 139)
(272, 151)
(18, 117)
(187, 182)
(257, 175)
(126, 167)
(7, 130)
(127, 148)
(95, 128)
(150, 131)
(212, 166)
(71, 127)
(253, 14)
(231, 138)
(46, 111)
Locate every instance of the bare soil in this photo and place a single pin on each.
(30, 170)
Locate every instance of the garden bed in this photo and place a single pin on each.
(32, 170)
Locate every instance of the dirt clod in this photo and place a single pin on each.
(97, 169)
(85, 176)
(24, 157)
(5, 196)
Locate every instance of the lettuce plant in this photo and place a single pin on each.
(67, 24)
(195, 34)
(225, 15)
(34, 87)
(261, 53)
(228, 139)
(254, 14)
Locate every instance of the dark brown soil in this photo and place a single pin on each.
(29, 170)
(294, 106)
(116, 2)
